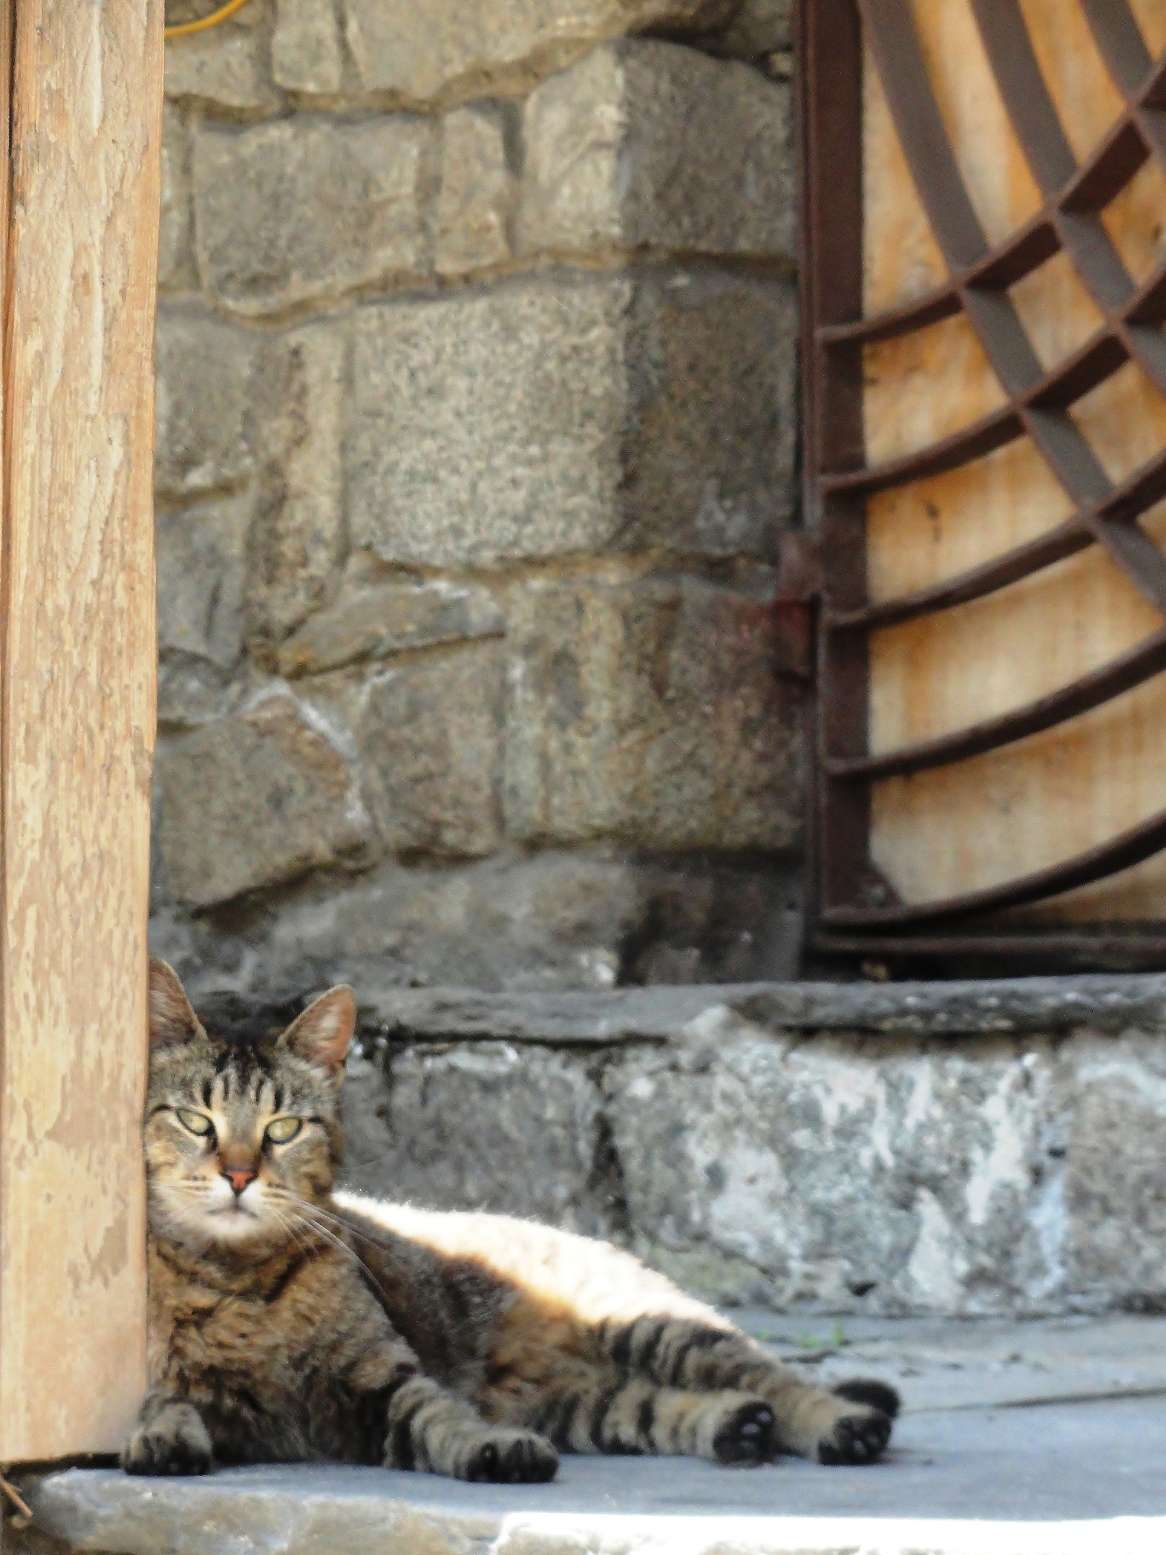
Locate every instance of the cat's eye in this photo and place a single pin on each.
(282, 1130)
(194, 1121)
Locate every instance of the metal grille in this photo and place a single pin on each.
(856, 909)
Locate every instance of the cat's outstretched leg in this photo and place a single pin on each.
(635, 1415)
(169, 1438)
(852, 1425)
(435, 1431)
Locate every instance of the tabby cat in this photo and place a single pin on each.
(292, 1322)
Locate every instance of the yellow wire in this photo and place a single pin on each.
(212, 20)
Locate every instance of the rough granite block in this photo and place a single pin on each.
(650, 712)
(255, 800)
(475, 207)
(306, 209)
(430, 735)
(457, 48)
(297, 423)
(550, 417)
(203, 389)
(645, 144)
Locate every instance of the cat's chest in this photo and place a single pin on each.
(267, 1337)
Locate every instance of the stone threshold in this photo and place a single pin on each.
(291, 1510)
(988, 1007)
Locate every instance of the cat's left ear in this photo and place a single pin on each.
(320, 1036)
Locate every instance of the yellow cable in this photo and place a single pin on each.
(212, 20)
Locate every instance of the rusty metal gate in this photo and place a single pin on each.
(984, 273)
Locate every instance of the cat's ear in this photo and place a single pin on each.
(320, 1036)
(172, 1020)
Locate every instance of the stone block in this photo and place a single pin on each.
(373, 623)
(882, 1176)
(541, 419)
(255, 800)
(306, 209)
(430, 734)
(192, 691)
(176, 270)
(1114, 1143)
(650, 713)
(307, 54)
(225, 67)
(648, 145)
(201, 567)
(760, 27)
(475, 207)
(480, 1127)
(454, 49)
(298, 534)
(203, 387)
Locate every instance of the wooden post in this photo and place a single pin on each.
(79, 220)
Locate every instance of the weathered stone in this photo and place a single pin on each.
(372, 623)
(645, 144)
(458, 48)
(176, 269)
(875, 1177)
(650, 712)
(202, 395)
(475, 207)
(200, 579)
(539, 419)
(430, 735)
(1113, 1135)
(305, 209)
(307, 54)
(254, 800)
(447, 1128)
(192, 691)
(759, 27)
(225, 66)
(298, 535)
(1042, 1006)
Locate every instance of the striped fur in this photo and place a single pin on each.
(289, 1321)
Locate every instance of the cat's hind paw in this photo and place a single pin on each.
(748, 1436)
(174, 1441)
(857, 1437)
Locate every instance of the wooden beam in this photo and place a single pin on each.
(77, 672)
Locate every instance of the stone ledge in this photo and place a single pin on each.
(1044, 1005)
(677, 1507)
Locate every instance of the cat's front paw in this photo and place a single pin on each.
(512, 1458)
(173, 1441)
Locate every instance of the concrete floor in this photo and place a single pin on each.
(1013, 1437)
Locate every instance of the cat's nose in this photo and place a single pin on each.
(238, 1177)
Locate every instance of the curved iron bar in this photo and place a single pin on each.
(1054, 546)
(1121, 852)
(1090, 364)
(992, 314)
(1038, 129)
(1118, 156)
(1112, 516)
(1130, 669)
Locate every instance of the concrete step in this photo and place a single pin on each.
(1035, 1438)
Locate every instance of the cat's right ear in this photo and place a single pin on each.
(172, 1018)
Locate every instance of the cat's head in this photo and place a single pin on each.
(242, 1139)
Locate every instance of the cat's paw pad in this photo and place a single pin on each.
(747, 1436)
(176, 1443)
(513, 1458)
(856, 1438)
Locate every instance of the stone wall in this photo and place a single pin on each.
(476, 437)
(922, 1148)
